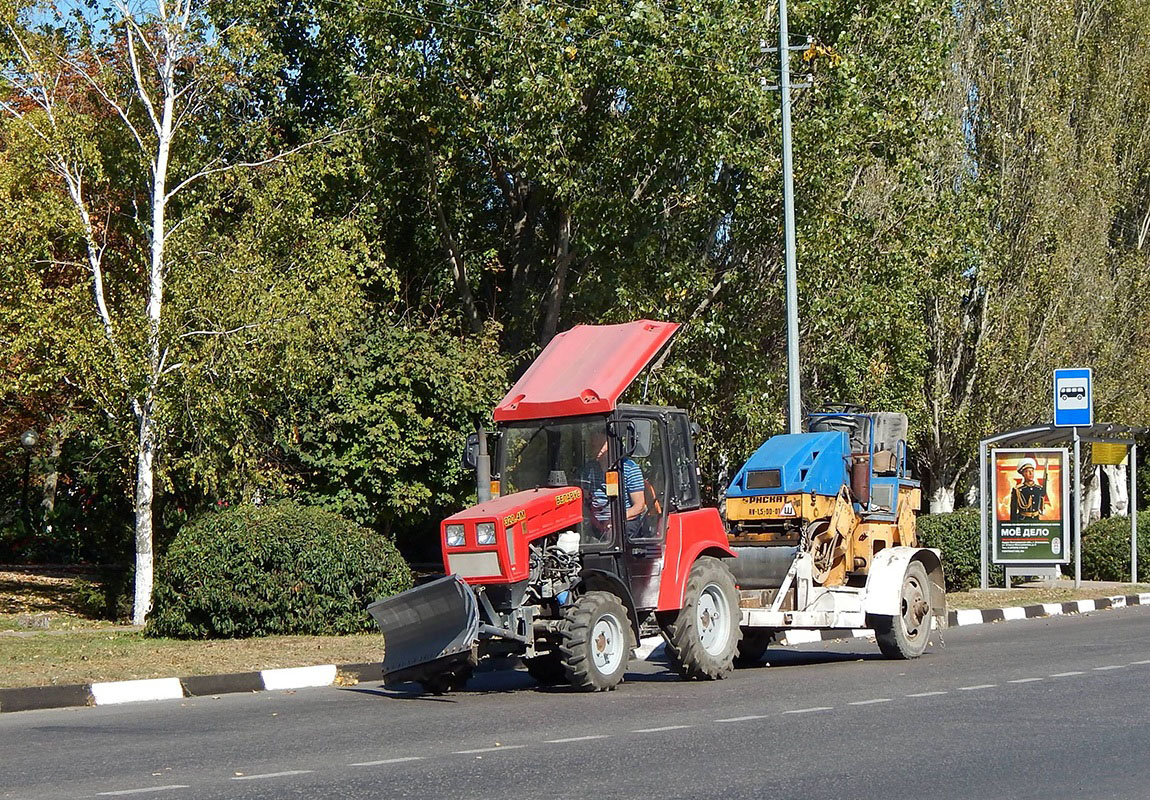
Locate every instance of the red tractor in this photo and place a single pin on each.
(592, 526)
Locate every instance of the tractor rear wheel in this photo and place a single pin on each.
(595, 642)
(906, 635)
(703, 637)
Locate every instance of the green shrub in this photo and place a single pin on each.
(1106, 549)
(273, 569)
(956, 535)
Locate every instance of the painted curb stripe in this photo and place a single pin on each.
(299, 677)
(106, 694)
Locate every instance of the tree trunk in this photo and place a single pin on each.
(1091, 498)
(942, 499)
(52, 475)
(1119, 489)
(145, 491)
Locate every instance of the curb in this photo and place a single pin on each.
(117, 692)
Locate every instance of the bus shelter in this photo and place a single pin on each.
(1035, 538)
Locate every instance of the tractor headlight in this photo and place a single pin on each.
(454, 535)
(485, 533)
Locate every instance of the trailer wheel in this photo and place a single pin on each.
(547, 670)
(595, 642)
(753, 646)
(703, 637)
(906, 635)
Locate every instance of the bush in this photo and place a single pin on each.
(1106, 549)
(275, 569)
(956, 535)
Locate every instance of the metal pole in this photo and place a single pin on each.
(1077, 522)
(983, 509)
(483, 469)
(794, 404)
(27, 512)
(1132, 507)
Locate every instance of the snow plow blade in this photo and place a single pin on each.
(435, 622)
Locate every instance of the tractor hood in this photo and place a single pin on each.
(585, 370)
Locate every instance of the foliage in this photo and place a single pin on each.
(381, 443)
(1106, 549)
(957, 536)
(274, 569)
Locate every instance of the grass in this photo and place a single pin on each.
(51, 633)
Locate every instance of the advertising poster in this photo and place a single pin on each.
(1031, 523)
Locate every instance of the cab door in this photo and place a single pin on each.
(643, 543)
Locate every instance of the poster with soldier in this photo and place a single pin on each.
(1030, 505)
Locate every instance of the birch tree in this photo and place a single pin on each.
(150, 73)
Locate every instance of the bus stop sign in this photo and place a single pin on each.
(1073, 397)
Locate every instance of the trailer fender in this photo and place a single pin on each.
(884, 582)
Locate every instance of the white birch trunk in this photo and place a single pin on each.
(145, 455)
(1091, 499)
(1119, 489)
(942, 500)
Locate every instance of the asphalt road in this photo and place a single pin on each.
(1050, 708)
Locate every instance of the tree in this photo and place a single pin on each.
(125, 107)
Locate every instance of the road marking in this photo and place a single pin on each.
(870, 702)
(1026, 680)
(488, 749)
(927, 694)
(1135, 663)
(809, 710)
(386, 761)
(1066, 674)
(272, 775)
(979, 686)
(579, 738)
(142, 791)
(1112, 666)
(664, 728)
(743, 719)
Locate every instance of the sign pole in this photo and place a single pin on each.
(1132, 507)
(984, 509)
(1077, 510)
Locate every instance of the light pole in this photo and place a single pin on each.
(28, 440)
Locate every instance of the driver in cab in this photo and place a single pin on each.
(593, 482)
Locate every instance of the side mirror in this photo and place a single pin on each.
(470, 456)
(624, 431)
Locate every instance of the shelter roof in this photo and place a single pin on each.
(1048, 435)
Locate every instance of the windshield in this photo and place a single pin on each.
(555, 454)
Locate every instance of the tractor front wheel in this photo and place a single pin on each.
(595, 642)
(703, 636)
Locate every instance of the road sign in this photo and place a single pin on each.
(1073, 397)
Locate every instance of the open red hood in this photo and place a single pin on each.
(585, 370)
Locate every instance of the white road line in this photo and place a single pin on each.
(1066, 674)
(142, 791)
(1112, 666)
(664, 728)
(579, 738)
(743, 719)
(809, 710)
(979, 686)
(870, 702)
(927, 694)
(1026, 680)
(272, 775)
(386, 761)
(1135, 663)
(488, 749)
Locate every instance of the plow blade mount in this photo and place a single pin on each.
(438, 621)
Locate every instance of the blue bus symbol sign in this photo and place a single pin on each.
(1073, 397)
